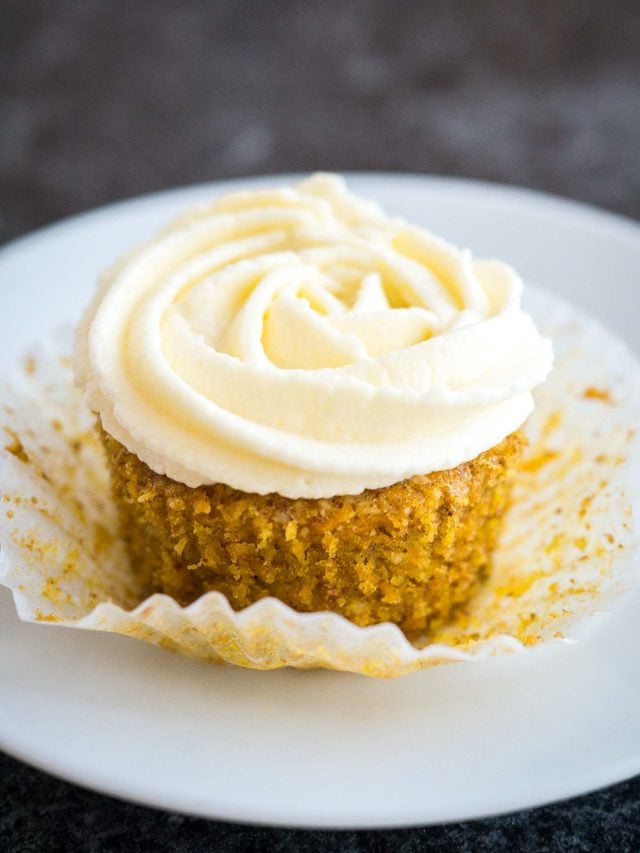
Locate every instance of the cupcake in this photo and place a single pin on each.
(303, 398)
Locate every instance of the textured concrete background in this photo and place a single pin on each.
(103, 100)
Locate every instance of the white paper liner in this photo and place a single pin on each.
(569, 552)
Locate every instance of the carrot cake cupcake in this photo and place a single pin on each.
(304, 398)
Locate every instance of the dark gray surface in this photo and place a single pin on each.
(40, 814)
(103, 100)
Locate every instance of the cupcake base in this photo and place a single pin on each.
(406, 554)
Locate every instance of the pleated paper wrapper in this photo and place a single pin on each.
(568, 556)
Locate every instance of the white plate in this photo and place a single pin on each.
(320, 748)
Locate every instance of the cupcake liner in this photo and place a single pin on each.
(568, 554)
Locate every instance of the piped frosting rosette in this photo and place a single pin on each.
(299, 341)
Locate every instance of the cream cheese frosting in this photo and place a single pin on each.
(298, 340)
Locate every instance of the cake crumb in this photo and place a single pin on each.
(601, 394)
(30, 365)
(16, 447)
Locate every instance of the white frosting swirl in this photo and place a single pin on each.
(299, 341)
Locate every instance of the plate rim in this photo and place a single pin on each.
(243, 816)
(563, 205)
